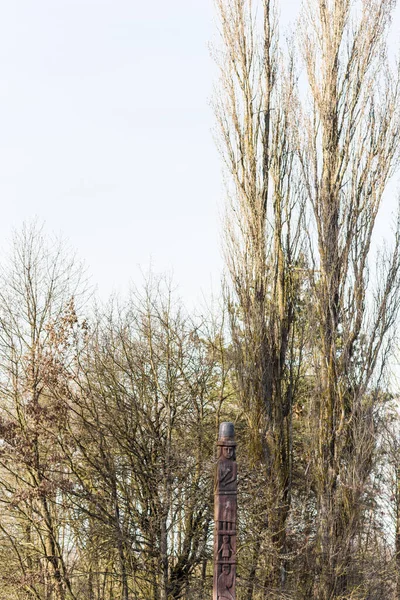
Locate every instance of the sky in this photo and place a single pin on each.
(106, 135)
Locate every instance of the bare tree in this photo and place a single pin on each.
(139, 444)
(348, 144)
(263, 247)
(38, 284)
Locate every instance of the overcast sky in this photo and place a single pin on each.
(105, 134)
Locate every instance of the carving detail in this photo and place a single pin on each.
(225, 515)
(226, 470)
(228, 516)
(225, 583)
(225, 550)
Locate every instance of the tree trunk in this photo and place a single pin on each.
(163, 559)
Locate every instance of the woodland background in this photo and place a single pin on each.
(109, 413)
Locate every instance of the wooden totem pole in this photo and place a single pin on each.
(225, 515)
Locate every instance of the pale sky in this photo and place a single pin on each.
(105, 134)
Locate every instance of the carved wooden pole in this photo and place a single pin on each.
(225, 515)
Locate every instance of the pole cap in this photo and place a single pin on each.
(226, 436)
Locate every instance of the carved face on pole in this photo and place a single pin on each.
(227, 452)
